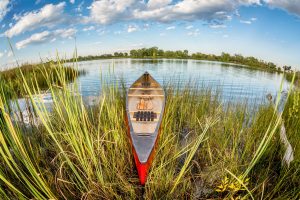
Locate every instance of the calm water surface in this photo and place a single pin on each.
(235, 82)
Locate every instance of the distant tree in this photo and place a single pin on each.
(160, 52)
(225, 57)
(186, 53)
(134, 53)
(287, 68)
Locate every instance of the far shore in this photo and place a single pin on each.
(156, 54)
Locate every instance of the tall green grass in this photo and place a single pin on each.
(83, 152)
(12, 78)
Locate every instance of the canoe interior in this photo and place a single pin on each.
(144, 106)
(145, 103)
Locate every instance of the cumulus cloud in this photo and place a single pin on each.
(1, 54)
(153, 4)
(194, 33)
(109, 11)
(72, 1)
(4, 8)
(90, 28)
(253, 19)
(166, 11)
(46, 36)
(216, 26)
(292, 6)
(246, 22)
(132, 28)
(189, 27)
(48, 16)
(170, 28)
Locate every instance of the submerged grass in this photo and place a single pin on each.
(205, 150)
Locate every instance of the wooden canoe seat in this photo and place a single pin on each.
(144, 115)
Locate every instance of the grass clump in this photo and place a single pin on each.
(83, 152)
(12, 78)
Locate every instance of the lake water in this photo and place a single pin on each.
(235, 82)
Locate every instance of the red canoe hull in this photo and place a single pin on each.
(142, 168)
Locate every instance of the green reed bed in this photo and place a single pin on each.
(12, 78)
(205, 150)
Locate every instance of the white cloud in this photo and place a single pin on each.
(90, 28)
(4, 8)
(1, 55)
(9, 54)
(216, 26)
(250, 21)
(110, 11)
(107, 11)
(46, 36)
(170, 28)
(189, 27)
(34, 39)
(225, 36)
(72, 1)
(246, 22)
(132, 28)
(152, 4)
(48, 16)
(292, 6)
(194, 33)
(250, 2)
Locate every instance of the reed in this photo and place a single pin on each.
(12, 78)
(206, 149)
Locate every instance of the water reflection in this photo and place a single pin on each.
(235, 82)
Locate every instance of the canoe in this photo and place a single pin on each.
(145, 103)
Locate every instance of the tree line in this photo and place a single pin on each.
(156, 53)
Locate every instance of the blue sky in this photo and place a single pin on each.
(39, 29)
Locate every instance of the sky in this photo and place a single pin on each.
(40, 29)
